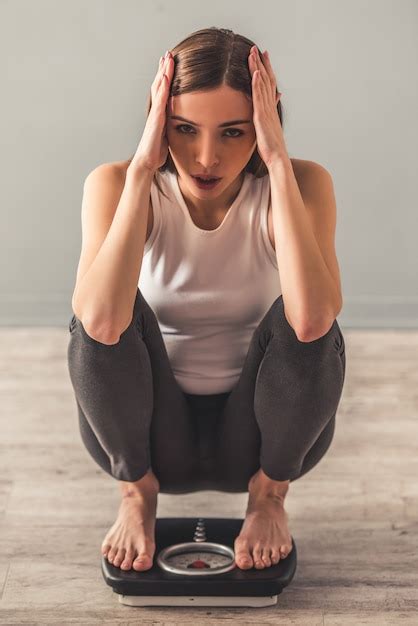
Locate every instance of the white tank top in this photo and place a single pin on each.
(209, 289)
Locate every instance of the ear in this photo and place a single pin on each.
(278, 96)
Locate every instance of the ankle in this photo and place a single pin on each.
(148, 484)
(260, 485)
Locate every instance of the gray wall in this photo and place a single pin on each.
(75, 76)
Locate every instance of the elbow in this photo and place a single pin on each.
(306, 336)
(102, 332)
(308, 331)
(102, 335)
(312, 333)
(107, 332)
(95, 324)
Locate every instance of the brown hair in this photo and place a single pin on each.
(205, 60)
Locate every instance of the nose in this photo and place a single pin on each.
(206, 154)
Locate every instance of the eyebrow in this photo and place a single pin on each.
(231, 123)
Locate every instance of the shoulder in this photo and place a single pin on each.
(121, 168)
(309, 172)
(107, 174)
(317, 190)
(113, 173)
(310, 176)
(104, 185)
(117, 169)
(312, 179)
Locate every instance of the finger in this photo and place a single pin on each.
(258, 94)
(261, 86)
(265, 81)
(276, 92)
(269, 68)
(266, 72)
(251, 63)
(268, 80)
(162, 65)
(157, 78)
(166, 70)
(165, 65)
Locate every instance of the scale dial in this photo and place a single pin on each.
(197, 559)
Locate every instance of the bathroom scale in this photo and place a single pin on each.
(194, 565)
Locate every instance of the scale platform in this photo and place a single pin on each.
(159, 586)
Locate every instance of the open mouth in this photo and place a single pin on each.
(206, 182)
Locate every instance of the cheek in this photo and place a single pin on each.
(175, 141)
(248, 145)
(251, 135)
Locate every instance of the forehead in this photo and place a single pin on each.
(217, 105)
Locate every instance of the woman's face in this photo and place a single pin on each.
(205, 145)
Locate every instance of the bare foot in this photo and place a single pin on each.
(264, 536)
(131, 539)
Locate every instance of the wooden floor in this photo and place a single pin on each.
(354, 517)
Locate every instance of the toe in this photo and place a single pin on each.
(257, 554)
(242, 553)
(243, 559)
(111, 554)
(119, 557)
(127, 562)
(105, 548)
(142, 562)
(284, 550)
(266, 557)
(275, 557)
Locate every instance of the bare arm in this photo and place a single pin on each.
(105, 294)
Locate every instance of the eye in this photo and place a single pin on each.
(234, 130)
(228, 130)
(179, 126)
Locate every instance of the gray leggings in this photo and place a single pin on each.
(133, 415)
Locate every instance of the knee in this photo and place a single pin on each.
(276, 320)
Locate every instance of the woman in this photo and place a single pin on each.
(195, 363)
